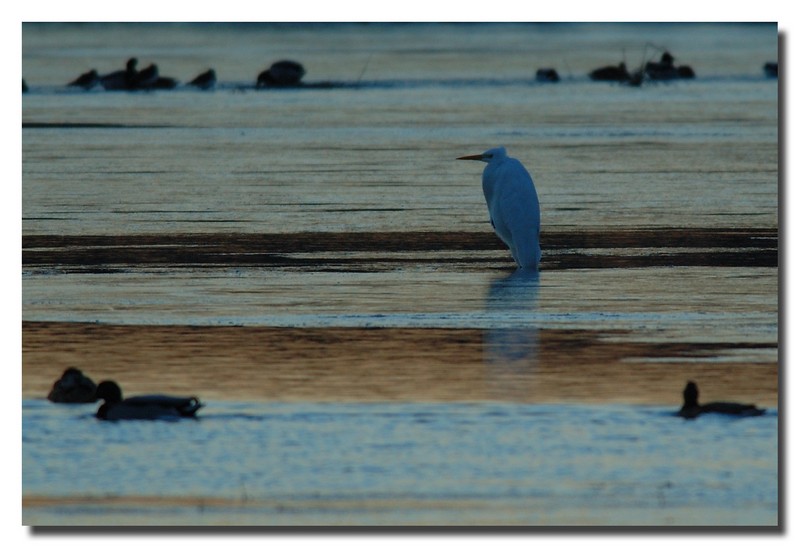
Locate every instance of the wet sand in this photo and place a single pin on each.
(387, 364)
(57, 513)
(632, 248)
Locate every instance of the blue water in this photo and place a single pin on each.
(373, 464)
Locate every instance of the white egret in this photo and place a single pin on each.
(513, 205)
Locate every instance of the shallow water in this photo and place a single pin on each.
(341, 205)
(418, 464)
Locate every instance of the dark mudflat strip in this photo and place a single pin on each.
(625, 248)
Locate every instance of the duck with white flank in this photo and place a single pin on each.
(143, 407)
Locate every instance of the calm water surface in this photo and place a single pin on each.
(428, 464)
(374, 153)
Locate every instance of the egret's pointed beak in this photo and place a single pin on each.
(478, 157)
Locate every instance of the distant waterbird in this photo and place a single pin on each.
(281, 73)
(205, 80)
(164, 82)
(146, 77)
(692, 407)
(547, 75)
(617, 73)
(513, 205)
(665, 69)
(122, 80)
(151, 407)
(132, 79)
(87, 80)
(73, 387)
(150, 78)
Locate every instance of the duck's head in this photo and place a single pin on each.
(130, 65)
(109, 391)
(71, 372)
(690, 394)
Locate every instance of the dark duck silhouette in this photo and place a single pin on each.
(281, 73)
(73, 387)
(206, 80)
(665, 69)
(547, 75)
(122, 80)
(87, 80)
(692, 408)
(147, 77)
(771, 70)
(143, 407)
(611, 74)
(164, 82)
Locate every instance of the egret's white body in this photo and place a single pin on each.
(513, 205)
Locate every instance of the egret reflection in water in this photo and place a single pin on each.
(511, 345)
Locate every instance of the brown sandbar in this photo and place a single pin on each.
(389, 364)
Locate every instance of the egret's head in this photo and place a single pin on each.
(491, 154)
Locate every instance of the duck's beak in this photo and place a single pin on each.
(478, 157)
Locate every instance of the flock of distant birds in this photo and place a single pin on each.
(75, 387)
(280, 74)
(662, 70)
(288, 73)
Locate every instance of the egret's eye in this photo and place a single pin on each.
(490, 155)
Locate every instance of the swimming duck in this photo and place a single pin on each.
(149, 78)
(142, 407)
(547, 75)
(163, 82)
(281, 73)
(665, 69)
(206, 80)
(611, 74)
(771, 70)
(692, 408)
(73, 387)
(146, 77)
(87, 80)
(122, 80)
